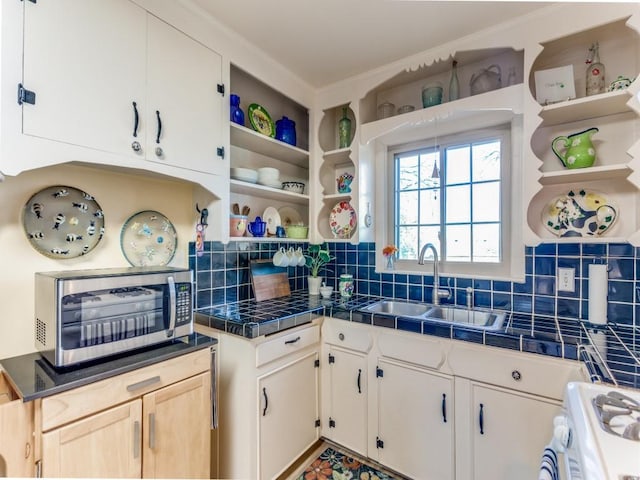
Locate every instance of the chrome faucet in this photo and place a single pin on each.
(437, 293)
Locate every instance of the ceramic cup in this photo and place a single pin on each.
(291, 257)
(280, 259)
(257, 228)
(299, 256)
(280, 232)
(237, 225)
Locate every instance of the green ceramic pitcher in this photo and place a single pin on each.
(575, 150)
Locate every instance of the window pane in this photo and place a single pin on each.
(408, 207)
(408, 172)
(486, 202)
(429, 235)
(408, 242)
(458, 204)
(458, 243)
(486, 161)
(458, 164)
(427, 178)
(430, 207)
(486, 243)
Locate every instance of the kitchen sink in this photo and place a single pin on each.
(398, 308)
(471, 317)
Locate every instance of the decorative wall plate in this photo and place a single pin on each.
(290, 216)
(261, 121)
(148, 238)
(272, 217)
(580, 213)
(343, 220)
(63, 222)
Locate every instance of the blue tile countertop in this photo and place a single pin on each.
(611, 353)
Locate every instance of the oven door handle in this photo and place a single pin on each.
(172, 306)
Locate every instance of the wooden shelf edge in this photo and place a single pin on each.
(612, 172)
(584, 108)
(248, 139)
(245, 188)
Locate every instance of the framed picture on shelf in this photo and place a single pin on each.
(555, 85)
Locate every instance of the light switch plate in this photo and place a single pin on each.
(566, 279)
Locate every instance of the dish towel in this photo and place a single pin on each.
(549, 465)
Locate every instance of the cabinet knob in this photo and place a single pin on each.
(136, 147)
(516, 375)
(341, 336)
(159, 152)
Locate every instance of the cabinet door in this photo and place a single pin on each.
(176, 435)
(86, 63)
(182, 91)
(348, 399)
(104, 445)
(505, 443)
(16, 446)
(415, 427)
(288, 414)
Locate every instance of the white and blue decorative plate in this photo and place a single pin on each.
(580, 213)
(148, 239)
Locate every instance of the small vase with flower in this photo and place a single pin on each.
(389, 253)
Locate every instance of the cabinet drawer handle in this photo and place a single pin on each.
(143, 384)
(136, 119)
(289, 342)
(444, 407)
(136, 439)
(159, 126)
(481, 419)
(359, 379)
(214, 389)
(266, 401)
(152, 431)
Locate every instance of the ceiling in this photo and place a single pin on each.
(324, 41)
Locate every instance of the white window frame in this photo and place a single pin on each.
(511, 266)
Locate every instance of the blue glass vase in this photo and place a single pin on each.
(237, 115)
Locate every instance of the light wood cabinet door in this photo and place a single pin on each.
(347, 390)
(176, 435)
(182, 95)
(16, 430)
(415, 421)
(518, 426)
(288, 414)
(85, 71)
(104, 445)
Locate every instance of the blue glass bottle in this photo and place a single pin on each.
(237, 115)
(286, 131)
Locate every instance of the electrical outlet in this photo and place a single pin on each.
(566, 279)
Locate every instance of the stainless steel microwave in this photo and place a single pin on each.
(85, 315)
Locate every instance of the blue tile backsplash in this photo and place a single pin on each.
(222, 276)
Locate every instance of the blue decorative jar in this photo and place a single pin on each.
(237, 115)
(286, 131)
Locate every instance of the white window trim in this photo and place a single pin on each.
(512, 266)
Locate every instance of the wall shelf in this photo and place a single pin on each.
(248, 139)
(608, 103)
(585, 174)
(253, 189)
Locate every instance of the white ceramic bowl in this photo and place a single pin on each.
(268, 173)
(244, 174)
(295, 187)
(326, 291)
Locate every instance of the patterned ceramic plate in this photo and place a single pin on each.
(343, 220)
(290, 216)
(272, 217)
(579, 213)
(261, 121)
(63, 222)
(148, 238)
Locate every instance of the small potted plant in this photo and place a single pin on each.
(316, 259)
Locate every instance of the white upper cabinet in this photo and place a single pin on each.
(85, 62)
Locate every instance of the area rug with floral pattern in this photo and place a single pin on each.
(334, 465)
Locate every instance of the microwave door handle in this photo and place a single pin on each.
(172, 306)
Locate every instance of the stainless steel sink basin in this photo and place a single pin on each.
(398, 308)
(475, 318)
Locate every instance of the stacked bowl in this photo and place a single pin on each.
(269, 177)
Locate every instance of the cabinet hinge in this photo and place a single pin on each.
(332, 359)
(221, 89)
(220, 152)
(316, 363)
(25, 96)
(332, 423)
(379, 372)
(379, 443)
(318, 422)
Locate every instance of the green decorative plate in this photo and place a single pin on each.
(261, 121)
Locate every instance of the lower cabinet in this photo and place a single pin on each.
(162, 429)
(415, 421)
(16, 432)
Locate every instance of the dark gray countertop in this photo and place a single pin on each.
(611, 353)
(33, 377)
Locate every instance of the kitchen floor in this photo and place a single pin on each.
(297, 469)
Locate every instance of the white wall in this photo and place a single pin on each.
(120, 195)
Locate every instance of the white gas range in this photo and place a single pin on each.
(598, 435)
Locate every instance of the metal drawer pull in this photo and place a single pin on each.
(481, 419)
(159, 126)
(152, 431)
(136, 119)
(444, 407)
(289, 342)
(359, 379)
(136, 439)
(143, 384)
(266, 401)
